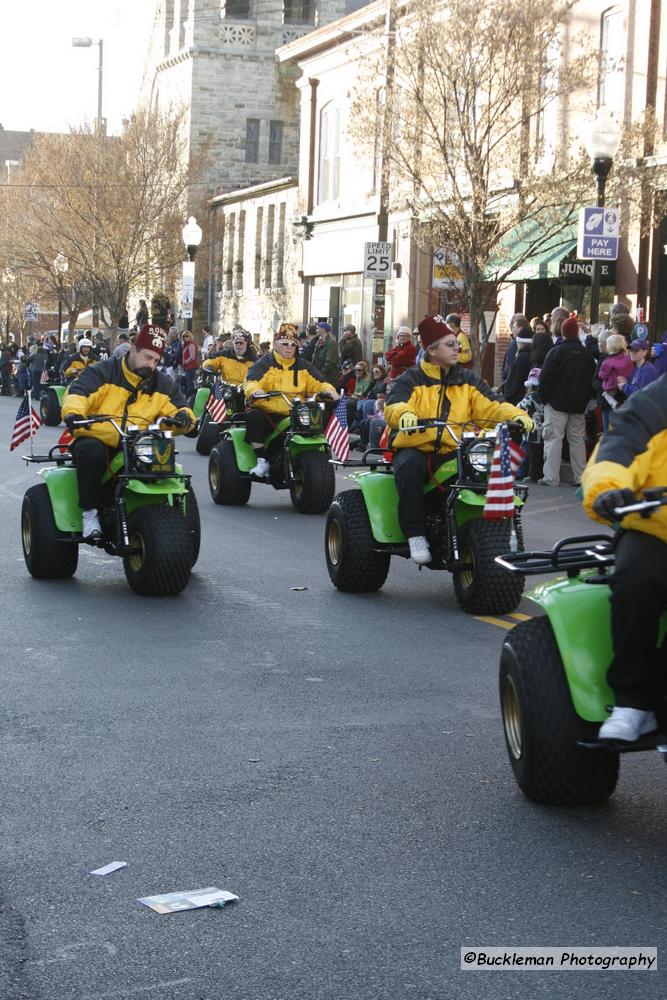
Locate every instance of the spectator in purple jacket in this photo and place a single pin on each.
(659, 355)
(617, 364)
(644, 372)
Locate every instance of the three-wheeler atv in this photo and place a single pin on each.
(553, 688)
(210, 429)
(148, 513)
(298, 455)
(362, 532)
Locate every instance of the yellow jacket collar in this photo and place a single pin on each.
(433, 371)
(284, 362)
(131, 377)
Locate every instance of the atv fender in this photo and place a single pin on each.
(64, 497)
(201, 399)
(246, 459)
(60, 391)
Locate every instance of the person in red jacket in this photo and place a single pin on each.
(190, 360)
(404, 355)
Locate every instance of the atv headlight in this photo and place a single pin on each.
(143, 449)
(156, 454)
(480, 456)
(303, 413)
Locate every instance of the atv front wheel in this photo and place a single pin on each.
(47, 554)
(160, 566)
(228, 487)
(49, 408)
(353, 562)
(542, 727)
(314, 483)
(483, 587)
(209, 435)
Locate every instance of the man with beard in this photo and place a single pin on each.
(132, 391)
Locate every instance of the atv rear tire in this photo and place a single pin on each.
(354, 564)
(228, 487)
(209, 435)
(315, 482)
(542, 727)
(49, 408)
(193, 523)
(485, 588)
(47, 554)
(161, 566)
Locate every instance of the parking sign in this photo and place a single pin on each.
(377, 260)
(599, 233)
(30, 312)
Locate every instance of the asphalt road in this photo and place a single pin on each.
(336, 761)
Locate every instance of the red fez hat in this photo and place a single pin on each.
(432, 329)
(150, 338)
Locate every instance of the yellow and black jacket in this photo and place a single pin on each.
(457, 396)
(110, 388)
(77, 363)
(633, 455)
(293, 376)
(232, 370)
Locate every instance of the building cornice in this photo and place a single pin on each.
(245, 194)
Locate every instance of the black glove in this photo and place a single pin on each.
(183, 419)
(70, 420)
(606, 503)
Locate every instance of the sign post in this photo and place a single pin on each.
(188, 292)
(377, 265)
(597, 240)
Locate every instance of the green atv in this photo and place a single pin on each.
(362, 532)
(149, 514)
(298, 455)
(553, 689)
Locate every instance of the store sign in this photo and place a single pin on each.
(446, 271)
(599, 233)
(578, 272)
(377, 260)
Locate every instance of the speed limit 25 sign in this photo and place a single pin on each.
(377, 260)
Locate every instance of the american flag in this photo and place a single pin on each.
(27, 423)
(64, 441)
(44, 377)
(507, 457)
(216, 404)
(336, 432)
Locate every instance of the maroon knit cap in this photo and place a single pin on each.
(150, 338)
(432, 329)
(570, 328)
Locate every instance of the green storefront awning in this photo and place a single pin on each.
(544, 262)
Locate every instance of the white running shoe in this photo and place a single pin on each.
(627, 724)
(261, 469)
(419, 550)
(91, 524)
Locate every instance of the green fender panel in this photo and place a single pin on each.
(278, 429)
(64, 496)
(580, 615)
(381, 496)
(60, 391)
(246, 458)
(300, 443)
(201, 399)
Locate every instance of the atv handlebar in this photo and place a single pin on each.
(652, 499)
(290, 400)
(513, 425)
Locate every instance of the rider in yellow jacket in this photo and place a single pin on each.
(233, 366)
(131, 390)
(436, 389)
(282, 370)
(80, 360)
(631, 458)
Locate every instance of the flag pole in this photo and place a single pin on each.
(32, 453)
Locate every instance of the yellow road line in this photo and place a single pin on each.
(519, 617)
(494, 621)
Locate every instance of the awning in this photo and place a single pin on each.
(544, 262)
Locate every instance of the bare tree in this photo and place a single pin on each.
(476, 141)
(112, 207)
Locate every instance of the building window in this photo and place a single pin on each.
(258, 246)
(252, 140)
(276, 142)
(298, 11)
(268, 262)
(329, 185)
(240, 9)
(612, 57)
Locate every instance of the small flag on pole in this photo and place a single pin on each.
(27, 423)
(507, 457)
(64, 441)
(216, 405)
(44, 377)
(336, 432)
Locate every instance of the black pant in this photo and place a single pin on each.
(411, 468)
(91, 458)
(258, 426)
(638, 597)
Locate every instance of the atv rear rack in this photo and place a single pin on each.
(569, 555)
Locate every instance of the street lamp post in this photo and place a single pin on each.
(60, 266)
(602, 145)
(86, 43)
(192, 236)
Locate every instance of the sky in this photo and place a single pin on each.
(46, 84)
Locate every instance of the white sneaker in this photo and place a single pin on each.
(419, 550)
(627, 724)
(261, 469)
(91, 524)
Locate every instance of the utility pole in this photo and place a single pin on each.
(379, 284)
